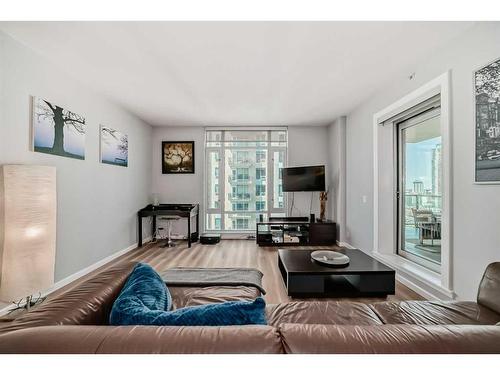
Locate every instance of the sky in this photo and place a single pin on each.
(419, 162)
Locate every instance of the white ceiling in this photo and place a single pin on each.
(236, 73)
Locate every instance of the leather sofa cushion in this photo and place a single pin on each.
(430, 312)
(410, 339)
(142, 340)
(190, 296)
(87, 303)
(489, 288)
(323, 312)
(53, 340)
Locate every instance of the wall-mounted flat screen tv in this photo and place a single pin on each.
(304, 178)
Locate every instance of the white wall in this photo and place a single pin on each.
(475, 214)
(183, 188)
(306, 146)
(97, 203)
(337, 174)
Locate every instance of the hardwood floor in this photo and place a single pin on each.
(228, 253)
(237, 253)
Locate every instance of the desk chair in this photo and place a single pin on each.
(169, 220)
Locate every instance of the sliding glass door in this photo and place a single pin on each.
(419, 190)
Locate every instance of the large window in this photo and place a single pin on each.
(244, 177)
(260, 190)
(260, 173)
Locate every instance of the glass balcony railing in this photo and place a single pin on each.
(242, 196)
(245, 179)
(240, 162)
(422, 201)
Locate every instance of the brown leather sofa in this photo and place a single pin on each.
(75, 321)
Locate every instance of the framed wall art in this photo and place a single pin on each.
(57, 130)
(487, 123)
(177, 157)
(114, 147)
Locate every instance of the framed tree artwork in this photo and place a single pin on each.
(114, 147)
(57, 130)
(487, 123)
(177, 157)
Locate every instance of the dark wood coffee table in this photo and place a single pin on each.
(364, 276)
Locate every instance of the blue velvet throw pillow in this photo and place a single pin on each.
(143, 291)
(145, 300)
(217, 314)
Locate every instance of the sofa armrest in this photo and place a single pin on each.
(88, 302)
(423, 339)
(141, 340)
(488, 293)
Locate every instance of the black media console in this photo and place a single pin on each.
(294, 231)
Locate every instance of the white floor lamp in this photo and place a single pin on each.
(28, 207)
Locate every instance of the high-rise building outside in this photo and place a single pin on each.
(436, 170)
(418, 187)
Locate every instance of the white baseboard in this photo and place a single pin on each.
(93, 267)
(81, 273)
(423, 292)
(345, 244)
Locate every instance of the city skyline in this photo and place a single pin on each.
(421, 160)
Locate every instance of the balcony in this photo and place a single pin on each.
(423, 200)
(239, 180)
(245, 163)
(239, 197)
(419, 201)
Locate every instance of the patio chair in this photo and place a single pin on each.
(429, 227)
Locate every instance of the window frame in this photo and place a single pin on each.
(258, 210)
(260, 190)
(435, 285)
(271, 147)
(418, 116)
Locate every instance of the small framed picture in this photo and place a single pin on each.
(114, 147)
(177, 157)
(487, 123)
